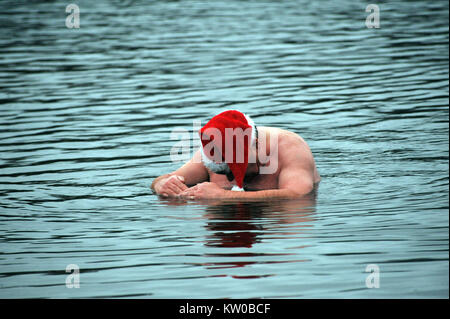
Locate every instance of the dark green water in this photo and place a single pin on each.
(86, 117)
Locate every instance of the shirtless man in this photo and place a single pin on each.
(277, 164)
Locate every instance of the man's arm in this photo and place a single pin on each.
(293, 183)
(191, 173)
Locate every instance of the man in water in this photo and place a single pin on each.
(266, 162)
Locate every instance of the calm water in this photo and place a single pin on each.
(85, 125)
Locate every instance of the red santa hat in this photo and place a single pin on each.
(226, 141)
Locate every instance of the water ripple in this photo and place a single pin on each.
(85, 125)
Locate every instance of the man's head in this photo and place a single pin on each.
(228, 144)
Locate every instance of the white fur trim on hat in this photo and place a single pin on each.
(213, 166)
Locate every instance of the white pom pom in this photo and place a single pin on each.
(237, 189)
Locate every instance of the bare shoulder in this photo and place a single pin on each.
(291, 145)
(294, 152)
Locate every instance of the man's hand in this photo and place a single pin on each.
(171, 186)
(204, 190)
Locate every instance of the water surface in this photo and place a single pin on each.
(86, 119)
